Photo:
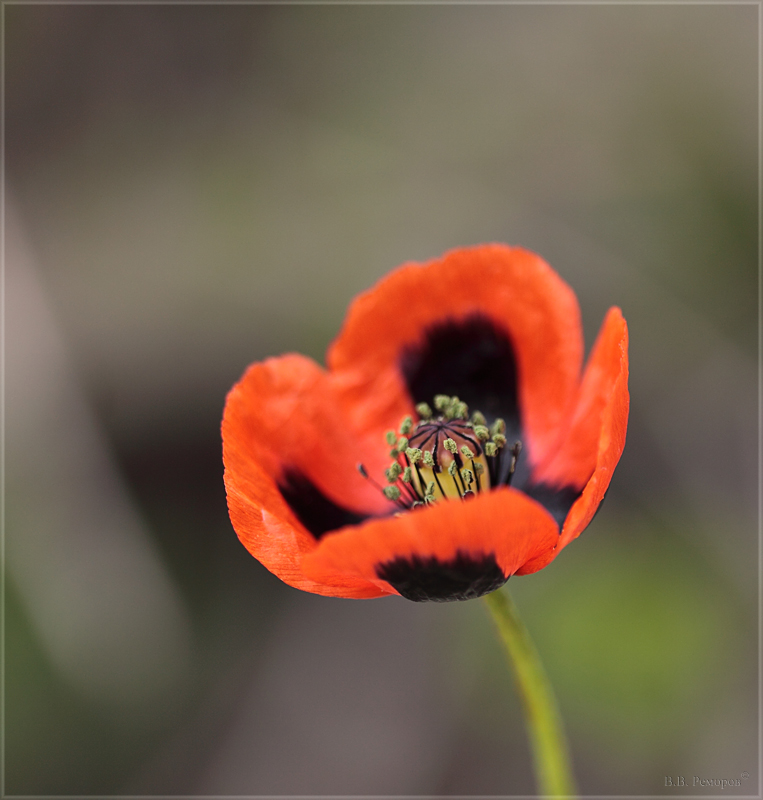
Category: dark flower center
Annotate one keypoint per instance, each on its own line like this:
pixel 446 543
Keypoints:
pixel 445 456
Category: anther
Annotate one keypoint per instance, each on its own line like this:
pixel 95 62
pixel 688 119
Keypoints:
pixel 391 438
pixel 407 475
pixel 490 449
pixel 499 426
pixel 428 459
pixel 454 408
pixel 460 410
pixel 515 451
pixel 450 446
pixel 478 418
pixel 391 492
pixel 481 432
pixel 402 444
pixel 394 472
pixel 441 402
pixel 424 411
pixel 466 451
pixel 414 454
pixel 406 426
pixel 499 439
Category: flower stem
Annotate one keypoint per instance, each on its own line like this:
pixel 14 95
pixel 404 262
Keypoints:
pixel 544 724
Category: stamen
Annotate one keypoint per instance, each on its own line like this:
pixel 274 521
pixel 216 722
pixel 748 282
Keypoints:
pixel 515 451
pixel 439 486
pixel 406 426
pixel 394 472
pixel 364 473
pixel 424 411
pixel 481 432
pixel 460 410
pixel 499 426
pixel 441 402
pixel 414 455
pixel 453 472
pixel 391 438
pixel 478 468
pixel 392 492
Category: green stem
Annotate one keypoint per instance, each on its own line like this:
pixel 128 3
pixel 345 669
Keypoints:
pixel 544 724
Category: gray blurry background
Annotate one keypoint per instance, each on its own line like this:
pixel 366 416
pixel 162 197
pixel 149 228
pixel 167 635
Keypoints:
pixel 192 188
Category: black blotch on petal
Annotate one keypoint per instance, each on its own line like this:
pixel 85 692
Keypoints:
pixel 463 577
pixel 472 358
pixel 557 501
pixel 311 507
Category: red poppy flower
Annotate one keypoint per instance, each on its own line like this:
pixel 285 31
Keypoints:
pixel 502 457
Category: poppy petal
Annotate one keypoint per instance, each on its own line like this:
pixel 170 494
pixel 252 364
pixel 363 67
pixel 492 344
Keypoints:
pixel 597 434
pixel 276 433
pixel 286 415
pixel 450 550
pixel 461 312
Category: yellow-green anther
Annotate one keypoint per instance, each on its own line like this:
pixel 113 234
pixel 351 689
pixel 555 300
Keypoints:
pixel 452 469
pixel 450 446
pixel 402 444
pixel 394 452
pixel 468 476
pixel 407 475
pixel 428 459
pixel 460 410
pixel 490 449
pixel 393 473
pixel 406 426
pixel 466 451
pixel 478 418
pixel 479 468
pixel 499 439
pixel 499 426
pixel 391 437
pixel 391 492
pixel 424 411
pixel 414 455
pixel 481 432
pixel 451 410
pixel 441 401
pixel 430 490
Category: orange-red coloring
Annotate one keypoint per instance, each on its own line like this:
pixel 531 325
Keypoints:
pixel 481 349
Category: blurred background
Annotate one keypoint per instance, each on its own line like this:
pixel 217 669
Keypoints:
pixel 193 188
